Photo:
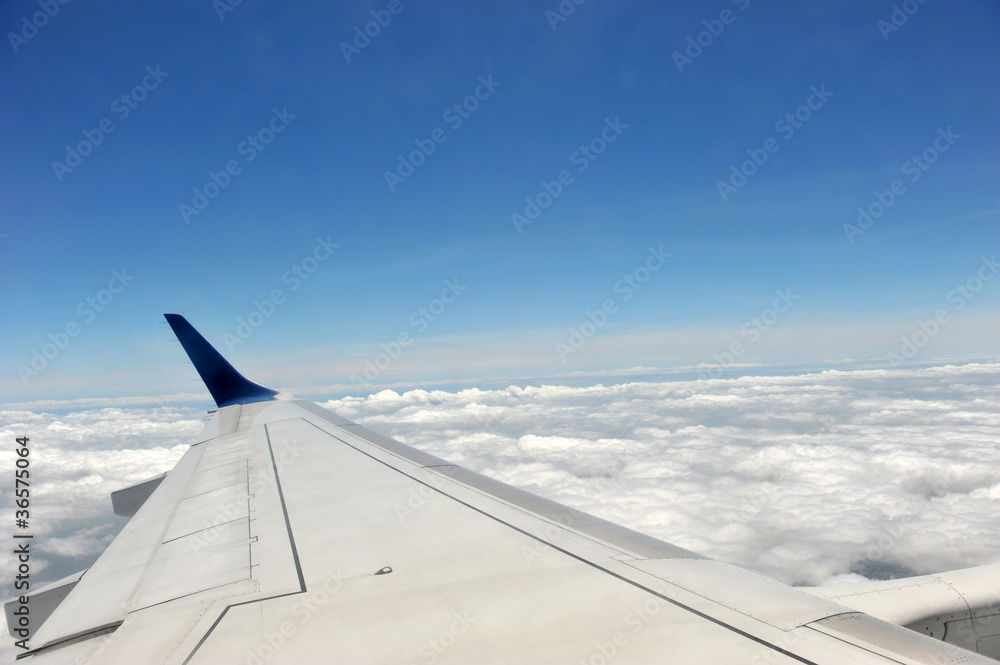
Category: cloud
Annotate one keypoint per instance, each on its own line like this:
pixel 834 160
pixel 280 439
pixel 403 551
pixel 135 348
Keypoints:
pixel 93 402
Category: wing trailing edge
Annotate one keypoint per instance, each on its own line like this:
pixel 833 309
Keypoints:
pixel 227 386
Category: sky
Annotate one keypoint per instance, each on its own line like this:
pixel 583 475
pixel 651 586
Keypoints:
pixel 478 194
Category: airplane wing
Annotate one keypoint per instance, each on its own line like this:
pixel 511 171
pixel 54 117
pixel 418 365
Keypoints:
pixel 288 534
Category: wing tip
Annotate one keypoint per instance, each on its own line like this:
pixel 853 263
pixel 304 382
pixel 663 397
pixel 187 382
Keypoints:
pixel 227 386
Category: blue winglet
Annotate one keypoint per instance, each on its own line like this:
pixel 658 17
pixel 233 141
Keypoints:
pixel 222 380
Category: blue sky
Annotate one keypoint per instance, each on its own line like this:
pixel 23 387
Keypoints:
pixel 212 83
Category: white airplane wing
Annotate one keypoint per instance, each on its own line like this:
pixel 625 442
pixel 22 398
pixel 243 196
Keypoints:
pixel 287 534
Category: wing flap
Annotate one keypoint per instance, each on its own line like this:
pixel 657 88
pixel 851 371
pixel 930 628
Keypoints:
pixel 894 642
pixel 41 603
pixel 960 607
pixel 127 501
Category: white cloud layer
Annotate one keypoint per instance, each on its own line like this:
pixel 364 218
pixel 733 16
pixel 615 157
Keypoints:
pixel 809 479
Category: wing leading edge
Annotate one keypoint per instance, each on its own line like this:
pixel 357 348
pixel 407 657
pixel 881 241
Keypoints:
pixel 287 533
